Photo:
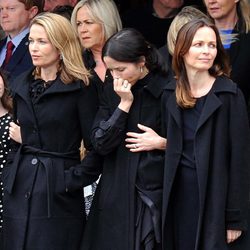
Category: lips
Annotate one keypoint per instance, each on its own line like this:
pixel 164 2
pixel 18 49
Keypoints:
pixel 34 57
pixel 213 9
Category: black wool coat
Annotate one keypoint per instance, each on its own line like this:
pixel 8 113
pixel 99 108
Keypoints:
pixel 221 149
pixel 111 222
pixel 239 55
pixel 43 198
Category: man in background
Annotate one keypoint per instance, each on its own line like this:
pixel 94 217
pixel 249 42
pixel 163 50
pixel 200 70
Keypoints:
pixel 50 5
pixel 15 17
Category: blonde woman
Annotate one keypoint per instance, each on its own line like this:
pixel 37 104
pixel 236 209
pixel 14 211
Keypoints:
pixel 232 18
pixel 54 105
pixel 94 22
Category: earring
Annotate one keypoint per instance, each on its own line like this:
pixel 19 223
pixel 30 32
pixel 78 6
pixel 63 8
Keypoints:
pixel 141 69
pixel 61 57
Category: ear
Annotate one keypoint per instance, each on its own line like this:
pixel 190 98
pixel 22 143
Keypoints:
pixel 73 2
pixel 33 12
pixel 142 61
pixel 236 1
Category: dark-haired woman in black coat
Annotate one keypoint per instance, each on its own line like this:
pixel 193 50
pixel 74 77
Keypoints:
pixel 126 212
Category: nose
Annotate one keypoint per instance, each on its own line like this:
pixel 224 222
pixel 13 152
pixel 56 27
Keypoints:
pixel 115 75
pixel 82 28
pixel 205 49
pixel 33 46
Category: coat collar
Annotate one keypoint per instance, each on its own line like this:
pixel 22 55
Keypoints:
pixel 21 86
pixel 156 84
pixel 213 102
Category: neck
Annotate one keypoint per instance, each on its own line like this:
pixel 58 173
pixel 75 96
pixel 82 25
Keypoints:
pixel 163 11
pixel 200 83
pixel 97 53
pixel 48 74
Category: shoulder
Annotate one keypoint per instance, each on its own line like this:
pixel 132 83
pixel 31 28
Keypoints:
pixel 224 84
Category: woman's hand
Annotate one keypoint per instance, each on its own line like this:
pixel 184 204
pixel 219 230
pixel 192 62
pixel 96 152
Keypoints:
pixel 123 89
pixel 15 132
pixel 146 141
pixel 233 235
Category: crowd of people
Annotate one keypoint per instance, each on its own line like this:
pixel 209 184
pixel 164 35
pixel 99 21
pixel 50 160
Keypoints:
pixel 124 129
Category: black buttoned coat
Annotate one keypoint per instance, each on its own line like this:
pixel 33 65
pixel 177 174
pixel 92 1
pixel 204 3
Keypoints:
pixel 43 206
pixel 221 149
pixel 111 222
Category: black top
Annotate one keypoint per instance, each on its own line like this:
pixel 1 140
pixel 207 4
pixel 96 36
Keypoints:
pixel 4 149
pixel 90 64
pixel 190 119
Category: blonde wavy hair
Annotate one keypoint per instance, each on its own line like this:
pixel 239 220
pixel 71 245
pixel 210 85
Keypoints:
pixel 61 35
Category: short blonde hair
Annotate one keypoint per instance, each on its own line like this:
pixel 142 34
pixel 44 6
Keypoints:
pixel 61 35
pixel 104 12
pixel 187 14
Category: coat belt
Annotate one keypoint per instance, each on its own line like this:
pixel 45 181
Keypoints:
pixel 45 160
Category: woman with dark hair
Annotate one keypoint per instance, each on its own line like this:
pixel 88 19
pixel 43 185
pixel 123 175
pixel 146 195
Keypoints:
pixel 206 177
pixel 126 210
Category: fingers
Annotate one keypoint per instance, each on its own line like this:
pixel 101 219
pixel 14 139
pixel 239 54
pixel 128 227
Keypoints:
pixel 232 235
pixel 134 147
pixel 121 84
pixel 143 128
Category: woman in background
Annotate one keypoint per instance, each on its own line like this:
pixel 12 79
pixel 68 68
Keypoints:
pixel 232 18
pixel 94 22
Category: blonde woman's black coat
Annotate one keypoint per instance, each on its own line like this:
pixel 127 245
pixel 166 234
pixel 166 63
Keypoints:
pixel 43 199
pixel 221 149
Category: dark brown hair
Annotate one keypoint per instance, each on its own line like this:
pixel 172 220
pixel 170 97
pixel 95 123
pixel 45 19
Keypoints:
pixel 183 43
pixel 6 100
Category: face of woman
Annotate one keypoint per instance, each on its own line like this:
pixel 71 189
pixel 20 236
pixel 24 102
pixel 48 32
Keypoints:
pixel 90 33
pixel 203 50
pixel 220 9
pixel 42 52
pixel 125 70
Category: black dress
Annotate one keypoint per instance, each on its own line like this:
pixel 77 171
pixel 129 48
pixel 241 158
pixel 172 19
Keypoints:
pixel 4 149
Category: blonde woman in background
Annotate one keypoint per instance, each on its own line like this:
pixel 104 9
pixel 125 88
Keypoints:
pixel 232 18
pixel 94 22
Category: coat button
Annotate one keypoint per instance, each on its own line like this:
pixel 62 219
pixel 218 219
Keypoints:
pixel 27 195
pixel 34 161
